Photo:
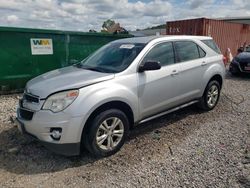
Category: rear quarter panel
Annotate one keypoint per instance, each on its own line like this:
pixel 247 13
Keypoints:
pixel 215 67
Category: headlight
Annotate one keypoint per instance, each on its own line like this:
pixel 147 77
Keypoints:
pixel 60 101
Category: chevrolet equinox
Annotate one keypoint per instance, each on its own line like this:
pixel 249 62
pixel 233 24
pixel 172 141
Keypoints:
pixel 95 102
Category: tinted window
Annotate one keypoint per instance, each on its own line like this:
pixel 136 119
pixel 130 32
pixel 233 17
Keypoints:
pixel 210 43
pixel 201 52
pixel 163 53
pixel 186 51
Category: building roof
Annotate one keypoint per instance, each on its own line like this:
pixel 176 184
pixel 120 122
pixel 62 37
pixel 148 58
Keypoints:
pixel 149 32
pixel 242 20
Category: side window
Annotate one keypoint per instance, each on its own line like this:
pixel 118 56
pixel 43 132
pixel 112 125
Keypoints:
pixel 201 52
pixel 186 50
pixel 211 44
pixel 163 53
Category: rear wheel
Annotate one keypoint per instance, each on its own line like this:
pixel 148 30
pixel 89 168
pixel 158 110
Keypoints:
pixel 211 96
pixel 106 133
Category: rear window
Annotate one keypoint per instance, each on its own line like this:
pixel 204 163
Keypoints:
pixel 210 43
pixel 201 52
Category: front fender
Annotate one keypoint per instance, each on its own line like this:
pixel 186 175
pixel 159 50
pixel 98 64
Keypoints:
pixel 92 97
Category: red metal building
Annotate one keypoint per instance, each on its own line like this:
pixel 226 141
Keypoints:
pixel 225 34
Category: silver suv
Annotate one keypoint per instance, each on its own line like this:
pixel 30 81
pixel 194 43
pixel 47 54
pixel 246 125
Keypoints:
pixel 127 82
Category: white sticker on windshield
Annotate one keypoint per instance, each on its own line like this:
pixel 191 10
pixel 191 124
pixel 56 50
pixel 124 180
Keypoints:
pixel 127 46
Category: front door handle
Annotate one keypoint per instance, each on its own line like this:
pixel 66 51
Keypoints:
pixel 204 63
pixel 174 72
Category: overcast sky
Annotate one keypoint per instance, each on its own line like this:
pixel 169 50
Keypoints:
pixel 83 15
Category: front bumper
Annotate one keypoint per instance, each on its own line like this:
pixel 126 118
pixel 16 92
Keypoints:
pixel 70 149
pixel 236 68
pixel 39 127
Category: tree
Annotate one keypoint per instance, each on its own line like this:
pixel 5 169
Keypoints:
pixel 107 24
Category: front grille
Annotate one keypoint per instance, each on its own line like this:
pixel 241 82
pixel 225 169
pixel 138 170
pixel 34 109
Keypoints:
pixel 25 114
pixel 30 98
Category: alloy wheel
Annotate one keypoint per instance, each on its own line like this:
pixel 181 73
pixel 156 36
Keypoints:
pixel 212 96
pixel 110 133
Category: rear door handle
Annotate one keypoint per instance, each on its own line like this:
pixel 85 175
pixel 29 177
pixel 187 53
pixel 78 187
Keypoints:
pixel 204 63
pixel 174 72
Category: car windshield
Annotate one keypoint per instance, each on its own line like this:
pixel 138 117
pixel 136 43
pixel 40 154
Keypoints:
pixel 248 49
pixel 112 58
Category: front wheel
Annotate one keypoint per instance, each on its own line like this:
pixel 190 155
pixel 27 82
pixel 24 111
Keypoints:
pixel 106 133
pixel 211 96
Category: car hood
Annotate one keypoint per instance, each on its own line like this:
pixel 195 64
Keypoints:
pixel 243 57
pixel 64 79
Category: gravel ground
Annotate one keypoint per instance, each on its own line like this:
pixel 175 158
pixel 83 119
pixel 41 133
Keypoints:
pixel 187 148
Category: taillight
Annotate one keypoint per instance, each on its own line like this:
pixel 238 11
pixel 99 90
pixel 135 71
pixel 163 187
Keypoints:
pixel 224 60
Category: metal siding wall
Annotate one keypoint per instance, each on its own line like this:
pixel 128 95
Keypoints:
pixel 226 35
pixel 185 27
pixel 229 35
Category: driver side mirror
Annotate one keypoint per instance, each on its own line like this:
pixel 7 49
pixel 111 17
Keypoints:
pixel 149 65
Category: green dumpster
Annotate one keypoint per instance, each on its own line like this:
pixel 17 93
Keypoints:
pixel 26 53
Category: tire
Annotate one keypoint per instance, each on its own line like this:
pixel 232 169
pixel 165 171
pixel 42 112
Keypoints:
pixel 111 138
pixel 208 100
pixel 234 71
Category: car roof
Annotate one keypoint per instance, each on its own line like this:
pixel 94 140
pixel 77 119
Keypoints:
pixel 151 38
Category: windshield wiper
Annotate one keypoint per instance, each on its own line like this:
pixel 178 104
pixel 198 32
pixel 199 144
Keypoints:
pixel 97 69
